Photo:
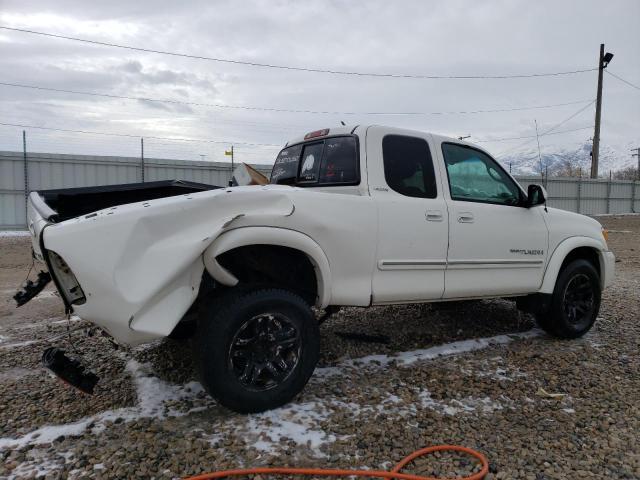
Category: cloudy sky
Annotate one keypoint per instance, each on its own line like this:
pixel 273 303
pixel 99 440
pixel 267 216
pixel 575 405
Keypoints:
pixel 442 38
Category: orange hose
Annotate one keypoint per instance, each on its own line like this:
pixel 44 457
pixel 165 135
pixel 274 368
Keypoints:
pixel 330 472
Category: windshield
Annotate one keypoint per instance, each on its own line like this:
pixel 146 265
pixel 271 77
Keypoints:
pixel 332 161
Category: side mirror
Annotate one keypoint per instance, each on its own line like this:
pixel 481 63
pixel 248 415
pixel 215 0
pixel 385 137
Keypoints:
pixel 536 195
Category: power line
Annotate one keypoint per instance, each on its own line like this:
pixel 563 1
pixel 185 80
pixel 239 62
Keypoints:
pixel 534 136
pixel 547 132
pixel 299 69
pixel 229 142
pixel 622 80
pixel 242 107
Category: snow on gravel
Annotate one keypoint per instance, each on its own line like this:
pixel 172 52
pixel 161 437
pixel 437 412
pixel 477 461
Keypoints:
pixel 153 395
pixel 18 344
pixel 298 422
pixel 408 358
pixel 14 233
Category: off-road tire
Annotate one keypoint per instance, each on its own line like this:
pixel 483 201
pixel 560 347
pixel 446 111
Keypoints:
pixel 577 278
pixel 220 330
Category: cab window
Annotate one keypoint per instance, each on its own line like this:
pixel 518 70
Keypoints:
pixel 332 161
pixel 476 177
pixel 408 168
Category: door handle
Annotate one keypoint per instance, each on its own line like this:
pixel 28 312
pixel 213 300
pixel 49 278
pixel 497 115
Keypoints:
pixel 465 217
pixel 434 216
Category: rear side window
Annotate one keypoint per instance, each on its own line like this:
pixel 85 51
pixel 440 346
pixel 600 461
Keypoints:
pixel 285 169
pixel 340 161
pixel 333 161
pixel 408 168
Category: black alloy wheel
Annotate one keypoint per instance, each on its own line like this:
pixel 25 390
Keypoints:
pixel 265 351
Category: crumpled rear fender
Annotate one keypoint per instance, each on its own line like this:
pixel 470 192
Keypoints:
pixel 140 264
pixel 241 237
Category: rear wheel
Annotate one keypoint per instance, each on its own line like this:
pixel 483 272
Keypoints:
pixel 257 348
pixel 575 302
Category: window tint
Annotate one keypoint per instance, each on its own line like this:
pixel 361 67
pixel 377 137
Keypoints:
pixel 408 168
pixel 476 177
pixel 339 163
pixel 333 161
pixel 285 169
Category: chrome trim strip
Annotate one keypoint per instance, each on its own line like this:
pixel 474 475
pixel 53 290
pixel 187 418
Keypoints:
pixel 389 263
pixel 496 262
pixel 455 263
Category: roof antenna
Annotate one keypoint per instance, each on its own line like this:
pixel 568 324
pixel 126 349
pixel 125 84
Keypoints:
pixel 462 137
pixel 342 122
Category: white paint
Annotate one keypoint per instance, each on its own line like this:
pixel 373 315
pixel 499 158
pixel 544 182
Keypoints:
pixel 148 270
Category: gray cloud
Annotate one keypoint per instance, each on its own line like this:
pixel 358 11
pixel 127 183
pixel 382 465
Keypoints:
pixel 446 37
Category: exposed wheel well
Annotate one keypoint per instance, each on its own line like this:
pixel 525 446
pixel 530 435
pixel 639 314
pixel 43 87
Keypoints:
pixel 273 265
pixel 582 253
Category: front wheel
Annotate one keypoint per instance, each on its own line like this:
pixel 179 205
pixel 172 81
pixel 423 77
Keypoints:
pixel 257 349
pixel 575 302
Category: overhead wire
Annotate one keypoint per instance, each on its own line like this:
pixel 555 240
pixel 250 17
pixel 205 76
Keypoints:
pixel 622 79
pixel 533 136
pixel 177 139
pixel 547 132
pixel 286 110
pixel 295 68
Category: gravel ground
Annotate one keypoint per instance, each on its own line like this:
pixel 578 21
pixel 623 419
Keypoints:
pixel 471 373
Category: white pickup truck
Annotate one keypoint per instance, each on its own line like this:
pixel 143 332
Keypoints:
pixel 357 216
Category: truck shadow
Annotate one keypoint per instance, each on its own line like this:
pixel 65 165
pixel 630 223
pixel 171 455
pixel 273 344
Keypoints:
pixel 358 332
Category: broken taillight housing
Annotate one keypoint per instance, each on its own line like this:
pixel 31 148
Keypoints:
pixel 66 280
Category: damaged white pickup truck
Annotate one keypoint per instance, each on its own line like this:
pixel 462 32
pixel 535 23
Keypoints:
pixel 353 216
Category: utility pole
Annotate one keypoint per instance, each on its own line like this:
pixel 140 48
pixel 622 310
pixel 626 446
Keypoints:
pixel 230 152
pixel 142 157
pixel 539 155
pixel 637 154
pixel 26 177
pixel 603 61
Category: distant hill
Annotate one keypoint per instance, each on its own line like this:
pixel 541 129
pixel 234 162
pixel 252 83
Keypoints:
pixel 562 160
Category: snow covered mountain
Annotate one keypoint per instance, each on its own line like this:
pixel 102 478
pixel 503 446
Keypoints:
pixel 565 160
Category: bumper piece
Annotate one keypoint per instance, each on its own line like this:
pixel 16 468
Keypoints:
pixel 30 289
pixel 69 370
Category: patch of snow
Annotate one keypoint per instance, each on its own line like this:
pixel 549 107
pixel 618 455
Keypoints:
pixel 3 338
pixel 17 373
pixel 38 465
pixel 458 406
pixel 445 350
pixel 297 422
pixel 14 233
pixel 153 395
pixel 46 434
pixel 568 410
pixel 18 344
pixel 47 294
